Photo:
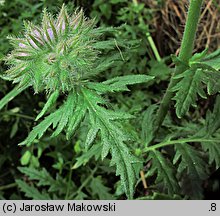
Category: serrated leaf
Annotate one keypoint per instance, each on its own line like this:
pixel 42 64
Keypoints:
pixel 61 185
pixel 113 140
pixel 191 162
pixel 98 188
pixel 42 176
pixel 211 78
pixel 50 102
pixel 120 83
pixel 40 129
pixel 213 150
pixel 60 118
pixel 66 115
pixel 147 126
pixel 91 136
pixel 212 123
pixel 94 151
pixel 187 89
pixel 105 63
pixel 31 191
pixel 212 59
pixel 165 172
pixel 192 83
pixel 159 70
pixel 198 56
pixel 99 87
pixel 77 117
pixel 80 196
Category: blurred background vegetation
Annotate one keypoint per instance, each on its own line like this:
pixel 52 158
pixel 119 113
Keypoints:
pixel 157 25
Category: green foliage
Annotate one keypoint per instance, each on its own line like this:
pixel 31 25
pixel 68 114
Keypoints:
pixel 191 162
pixel 43 178
pixel 89 128
pixel 191 82
pixel 210 130
pixel 112 139
pixel 50 102
pixel 165 172
pixel 80 99
pixel 32 192
pixel 94 151
pixel 147 127
pixel 99 189
pixel 187 90
pixel 71 114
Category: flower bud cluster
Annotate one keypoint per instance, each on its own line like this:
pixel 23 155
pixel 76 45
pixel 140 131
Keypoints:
pixel 54 56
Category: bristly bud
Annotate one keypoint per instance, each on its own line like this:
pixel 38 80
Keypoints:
pixel 57 55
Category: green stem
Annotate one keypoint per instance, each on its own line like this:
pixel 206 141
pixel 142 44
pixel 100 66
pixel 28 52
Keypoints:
pixel 173 142
pixel 87 180
pixel 69 183
pixel 153 47
pixel 185 54
pixel 17 115
pixel 5 187
pixel 149 38
pixel 189 35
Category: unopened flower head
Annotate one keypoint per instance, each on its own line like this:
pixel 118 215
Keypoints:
pixel 56 55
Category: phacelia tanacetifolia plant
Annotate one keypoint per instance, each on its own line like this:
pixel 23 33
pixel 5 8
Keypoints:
pixel 55 56
pixel 64 56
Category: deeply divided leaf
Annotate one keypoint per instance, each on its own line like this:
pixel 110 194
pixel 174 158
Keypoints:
pixel 165 172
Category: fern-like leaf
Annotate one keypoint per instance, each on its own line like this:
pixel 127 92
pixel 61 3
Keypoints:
pixel 147 125
pixel 187 89
pixel 202 72
pixel 113 140
pixel 98 188
pixel 59 118
pixel 119 83
pixel 31 191
pixel 191 162
pixel 212 124
pixel 50 102
pixel 213 150
pixel 164 170
pixel 43 177
pixel 41 128
pixel 212 59
pixel 94 151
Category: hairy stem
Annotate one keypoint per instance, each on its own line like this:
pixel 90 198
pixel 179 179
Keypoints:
pixel 185 54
